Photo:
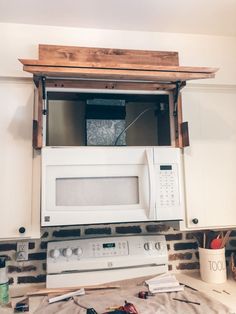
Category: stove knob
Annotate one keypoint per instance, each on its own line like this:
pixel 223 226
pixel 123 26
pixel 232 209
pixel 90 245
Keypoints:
pixel 147 246
pixel 158 246
pixel 67 252
pixel 78 252
pixel 54 253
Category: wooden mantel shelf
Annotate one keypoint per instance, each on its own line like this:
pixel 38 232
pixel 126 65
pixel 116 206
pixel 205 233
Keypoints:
pixel 112 64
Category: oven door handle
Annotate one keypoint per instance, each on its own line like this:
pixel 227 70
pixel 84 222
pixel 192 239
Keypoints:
pixel 151 180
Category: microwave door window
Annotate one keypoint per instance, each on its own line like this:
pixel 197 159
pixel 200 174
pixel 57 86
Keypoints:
pixel 97 191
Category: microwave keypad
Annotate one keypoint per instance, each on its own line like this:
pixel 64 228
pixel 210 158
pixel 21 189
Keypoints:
pixel 110 249
pixel 168 186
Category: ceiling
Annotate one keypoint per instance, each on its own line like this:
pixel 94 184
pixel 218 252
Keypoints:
pixel 215 17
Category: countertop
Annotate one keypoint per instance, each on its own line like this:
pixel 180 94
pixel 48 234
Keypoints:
pixel 216 291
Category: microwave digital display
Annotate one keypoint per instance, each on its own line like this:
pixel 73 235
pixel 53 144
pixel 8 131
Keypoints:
pixel 108 245
pixel 166 167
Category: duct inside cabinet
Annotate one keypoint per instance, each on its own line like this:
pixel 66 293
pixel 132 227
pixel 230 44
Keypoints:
pixel 105 122
pixel 88 118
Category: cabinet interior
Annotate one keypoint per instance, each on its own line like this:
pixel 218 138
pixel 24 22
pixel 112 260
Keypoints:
pixel 67 113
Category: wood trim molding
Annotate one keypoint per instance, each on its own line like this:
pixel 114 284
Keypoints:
pixel 112 64
pixel 115 74
pixel 111 84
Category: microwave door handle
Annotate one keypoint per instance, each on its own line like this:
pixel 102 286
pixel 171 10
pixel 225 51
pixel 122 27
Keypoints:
pixel 151 179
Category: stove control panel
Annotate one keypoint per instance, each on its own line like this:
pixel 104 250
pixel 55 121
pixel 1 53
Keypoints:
pixel 106 253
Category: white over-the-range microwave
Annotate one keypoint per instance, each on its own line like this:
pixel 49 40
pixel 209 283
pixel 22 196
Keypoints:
pixel 90 185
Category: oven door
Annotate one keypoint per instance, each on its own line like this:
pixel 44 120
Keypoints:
pixel 97 185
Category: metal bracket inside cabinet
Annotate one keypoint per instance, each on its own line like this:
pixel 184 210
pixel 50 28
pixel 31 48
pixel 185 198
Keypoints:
pixel 178 86
pixel 176 97
pixel 44 109
pixel 43 79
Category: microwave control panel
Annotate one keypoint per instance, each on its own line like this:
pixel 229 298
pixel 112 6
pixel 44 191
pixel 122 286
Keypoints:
pixel 168 185
pixel 105 253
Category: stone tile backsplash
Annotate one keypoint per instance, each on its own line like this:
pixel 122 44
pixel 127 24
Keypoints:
pixel 182 248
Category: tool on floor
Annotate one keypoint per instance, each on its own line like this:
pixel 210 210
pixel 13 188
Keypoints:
pixel 22 306
pixel 66 296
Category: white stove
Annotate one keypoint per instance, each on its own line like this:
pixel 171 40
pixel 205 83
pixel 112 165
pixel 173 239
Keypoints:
pixel 100 260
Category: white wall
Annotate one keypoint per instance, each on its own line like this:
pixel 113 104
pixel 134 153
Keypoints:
pixel 21 41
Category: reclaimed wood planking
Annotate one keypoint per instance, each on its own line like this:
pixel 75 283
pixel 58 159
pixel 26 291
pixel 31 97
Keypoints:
pixel 107 55
pixel 97 65
pixel 158 76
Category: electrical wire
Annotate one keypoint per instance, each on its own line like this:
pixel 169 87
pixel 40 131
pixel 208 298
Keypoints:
pixel 131 123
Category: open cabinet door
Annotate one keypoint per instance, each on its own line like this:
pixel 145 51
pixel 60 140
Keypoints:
pixel 210 161
pixel 17 219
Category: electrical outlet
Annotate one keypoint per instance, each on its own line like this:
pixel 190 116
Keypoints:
pixel 22 251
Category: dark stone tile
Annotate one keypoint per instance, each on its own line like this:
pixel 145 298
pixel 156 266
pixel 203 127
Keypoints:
pixel 185 266
pixel 196 236
pixel 180 256
pixel 67 233
pixel 229 252
pixel 7 247
pixel 185 246
pixel 31 279
pixel 157 228
pixel 191 235
pixel 97 231
pixel 128 229
pixel 232 242
pixel 43 245
pixel 28 268
pixel 172 237
pixel 12 269
pixel 7 258
pixel 233 233
pixel 21 269
pixel 31 245
pixel 37 256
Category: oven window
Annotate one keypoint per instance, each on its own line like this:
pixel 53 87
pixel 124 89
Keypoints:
pixel 99 191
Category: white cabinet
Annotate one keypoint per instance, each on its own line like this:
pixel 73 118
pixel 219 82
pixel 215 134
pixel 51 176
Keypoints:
pixel 16 210
pixel 210 161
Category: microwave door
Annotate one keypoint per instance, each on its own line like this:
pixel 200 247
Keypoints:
pixel 96 194
pixel 97 191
